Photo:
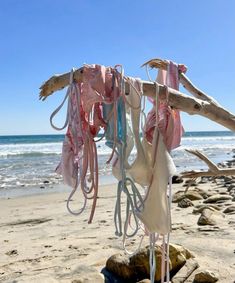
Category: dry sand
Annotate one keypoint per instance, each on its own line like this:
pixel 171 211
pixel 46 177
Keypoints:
pixel 41 242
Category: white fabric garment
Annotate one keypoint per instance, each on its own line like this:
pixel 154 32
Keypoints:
pixel 139 170
pixel 156 213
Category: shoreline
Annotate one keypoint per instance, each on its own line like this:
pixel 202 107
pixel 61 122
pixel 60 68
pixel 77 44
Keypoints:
pixel 48 188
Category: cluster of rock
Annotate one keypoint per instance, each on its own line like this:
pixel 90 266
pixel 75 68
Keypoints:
pixel 136 267
pixel 120 268
pixel 213 204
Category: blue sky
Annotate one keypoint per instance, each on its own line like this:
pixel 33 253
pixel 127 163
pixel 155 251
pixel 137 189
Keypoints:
pixel 41 38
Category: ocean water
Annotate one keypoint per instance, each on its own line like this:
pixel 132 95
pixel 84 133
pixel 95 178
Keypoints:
pixel 30 161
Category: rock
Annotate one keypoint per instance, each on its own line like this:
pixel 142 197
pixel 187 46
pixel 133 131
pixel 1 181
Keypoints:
pixel 141 263
pixel 119 264
pixel 229 209
pixel 210 217
pixel 46 182
pixel 185 271
pixel 177 179
pixel 185 202
pixel 230 187
pixel 203 193
pixel 227 179
pixel 208 229
pixel 199 208
pixel 12 252
pixel 205 276
pixel 217 198
pixel 191 195
pixel 206 217
pixel 178 256
pixel 137 266
pixel 189 183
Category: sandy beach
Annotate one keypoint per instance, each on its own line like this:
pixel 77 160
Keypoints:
pixel 42 242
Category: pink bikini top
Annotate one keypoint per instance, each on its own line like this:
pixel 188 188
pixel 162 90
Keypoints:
pixel 85 120
pixel 168 120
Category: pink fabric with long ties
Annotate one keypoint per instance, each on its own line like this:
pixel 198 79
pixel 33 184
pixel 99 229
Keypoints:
pixel 169 122
pixel 79 162
pixel 72 145
pixel 93 86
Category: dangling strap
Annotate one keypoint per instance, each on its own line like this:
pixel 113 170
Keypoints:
pixel 168 235
pixel 61 105
pixel 152 257
pixel 163 264
pixel 168 259
pixel 135 201
pixel 71 195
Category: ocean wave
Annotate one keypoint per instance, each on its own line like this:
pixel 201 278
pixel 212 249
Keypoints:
pixel 27 154
pixel 211 138
pixel 54 149
pixel 32 149
pixel 206 147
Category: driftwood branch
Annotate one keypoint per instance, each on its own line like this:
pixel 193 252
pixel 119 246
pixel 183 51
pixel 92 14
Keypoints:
pixel 213 170
pixel 202 104
pixel 58 82
pixel 184 80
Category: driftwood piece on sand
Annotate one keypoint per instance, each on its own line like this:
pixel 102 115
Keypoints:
pixel 213 170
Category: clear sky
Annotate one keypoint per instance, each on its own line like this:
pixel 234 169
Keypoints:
pixel 41 38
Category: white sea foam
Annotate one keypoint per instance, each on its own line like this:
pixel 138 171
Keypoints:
pixel 37 149
pixel 30 164
pixel 30 148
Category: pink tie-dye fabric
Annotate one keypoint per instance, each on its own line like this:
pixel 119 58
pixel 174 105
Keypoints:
pixel 168 120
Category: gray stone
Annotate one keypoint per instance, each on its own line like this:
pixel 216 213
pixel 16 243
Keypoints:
pixel 205 276
pixel 203 193
pixel 231 187
pixel 185 202
pixel 210 217
pixel 12 253
pixel 119 264
pixel 201 207
pixel 191 195
pixel 206 217
pixel 228 179
pixel 209 229
pixel 185 271
pixel 177 179
pixel 230 209
pixel 217 198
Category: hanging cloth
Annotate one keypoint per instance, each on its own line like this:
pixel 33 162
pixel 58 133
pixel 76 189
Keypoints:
pixel 168 120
